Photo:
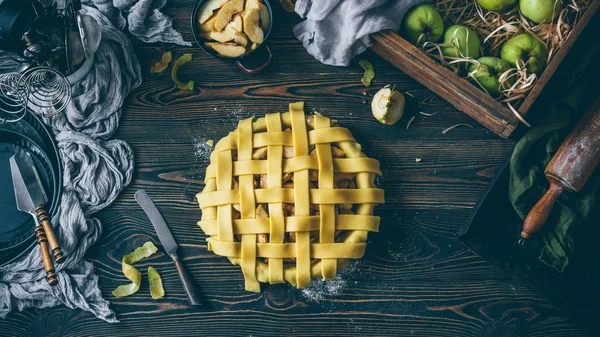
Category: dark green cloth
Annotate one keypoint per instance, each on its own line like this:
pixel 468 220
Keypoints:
pixel 534 151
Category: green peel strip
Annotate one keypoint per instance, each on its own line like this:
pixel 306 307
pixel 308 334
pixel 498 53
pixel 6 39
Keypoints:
pixel 369 72
pixel 287 5
pixel 183 59
pixel 156 286
pixel 130 272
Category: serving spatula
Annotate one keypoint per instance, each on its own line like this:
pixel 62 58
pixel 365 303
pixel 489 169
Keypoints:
pixel 31 198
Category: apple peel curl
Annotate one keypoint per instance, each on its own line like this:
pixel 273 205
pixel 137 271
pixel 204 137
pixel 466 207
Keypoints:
pixel 369 72
pixel 134 275
pixel 183 59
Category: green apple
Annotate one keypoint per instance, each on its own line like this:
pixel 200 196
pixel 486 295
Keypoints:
pixel 540 10
pixel 488 73
pixel 424 22
pixel 464 40
pixel 525 50
pixel 499 6
pixel 388 106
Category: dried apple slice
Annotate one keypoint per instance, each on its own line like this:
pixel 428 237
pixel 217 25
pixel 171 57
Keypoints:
pixel 236 23
pixel 251 28
pixel 265 18
pixel 226 35
pixel 252 4
pixel 241 39
pixel 226 13
pixel 208 8
pixel 208 25
pixel 226 49
pixel 263 13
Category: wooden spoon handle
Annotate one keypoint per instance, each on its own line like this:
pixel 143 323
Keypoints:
pixel 540 212
pixel 41 239
pixel 44 219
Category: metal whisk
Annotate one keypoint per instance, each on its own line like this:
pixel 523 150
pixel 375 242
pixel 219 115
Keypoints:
pixel 48 90
pixel 13 97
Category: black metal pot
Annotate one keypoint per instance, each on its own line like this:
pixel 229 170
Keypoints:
pixel 251 63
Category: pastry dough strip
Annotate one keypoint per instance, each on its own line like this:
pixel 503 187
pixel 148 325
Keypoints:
pixel 327 212
pixel 342 250
pixel 224 183
pixel 296 224
pixel 340 165
pixel 286 195
pixel 335 135
pixel 276 217
pixel 247 206
pixel 301 195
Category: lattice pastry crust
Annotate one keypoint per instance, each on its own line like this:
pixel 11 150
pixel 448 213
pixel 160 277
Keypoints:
pixel 289 197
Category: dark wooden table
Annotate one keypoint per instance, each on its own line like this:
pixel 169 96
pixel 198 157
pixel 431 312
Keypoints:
pixel 416 278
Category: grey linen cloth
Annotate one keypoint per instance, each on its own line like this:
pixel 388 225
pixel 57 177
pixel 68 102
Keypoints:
pixel 337 30
pixel 96 168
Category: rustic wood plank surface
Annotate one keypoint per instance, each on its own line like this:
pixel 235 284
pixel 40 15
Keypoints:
pixel 416 279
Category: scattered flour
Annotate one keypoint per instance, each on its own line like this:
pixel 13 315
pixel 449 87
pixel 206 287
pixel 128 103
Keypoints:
pixel 201 149
pixel 319 289
pixel 203 145
pixel 321 111
pixel 234 114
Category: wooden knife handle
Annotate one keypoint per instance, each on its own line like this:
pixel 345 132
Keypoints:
pixel 186 281
pixel 46 259
pixel 44 219
pixel 540 212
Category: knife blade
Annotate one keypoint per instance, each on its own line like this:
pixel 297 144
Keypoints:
pixel 168 242
pixel 160 226
pixel 29 192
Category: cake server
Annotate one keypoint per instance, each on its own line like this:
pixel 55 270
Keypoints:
pixel 31 197
pixel 168 242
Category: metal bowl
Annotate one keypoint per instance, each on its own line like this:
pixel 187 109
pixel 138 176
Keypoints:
pixel 254 61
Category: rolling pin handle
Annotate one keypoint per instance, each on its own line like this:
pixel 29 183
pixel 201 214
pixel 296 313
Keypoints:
pixel 540 212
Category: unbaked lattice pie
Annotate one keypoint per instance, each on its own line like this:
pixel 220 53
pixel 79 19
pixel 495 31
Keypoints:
pixel 289 197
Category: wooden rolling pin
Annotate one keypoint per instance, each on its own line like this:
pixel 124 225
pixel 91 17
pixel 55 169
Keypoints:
pixel 569 169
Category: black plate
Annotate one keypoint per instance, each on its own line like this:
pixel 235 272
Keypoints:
pixel 16 229
pixel 17 226
pixel 492 231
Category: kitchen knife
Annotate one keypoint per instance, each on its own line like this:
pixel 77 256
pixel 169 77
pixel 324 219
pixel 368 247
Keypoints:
pixel 25 203
pixel 168 242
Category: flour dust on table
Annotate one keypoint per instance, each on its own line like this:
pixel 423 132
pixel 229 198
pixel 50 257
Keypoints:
pixel 323 289
pixel 202 149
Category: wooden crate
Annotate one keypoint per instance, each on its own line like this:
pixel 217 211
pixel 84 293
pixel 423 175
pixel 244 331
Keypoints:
pixel 458 91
